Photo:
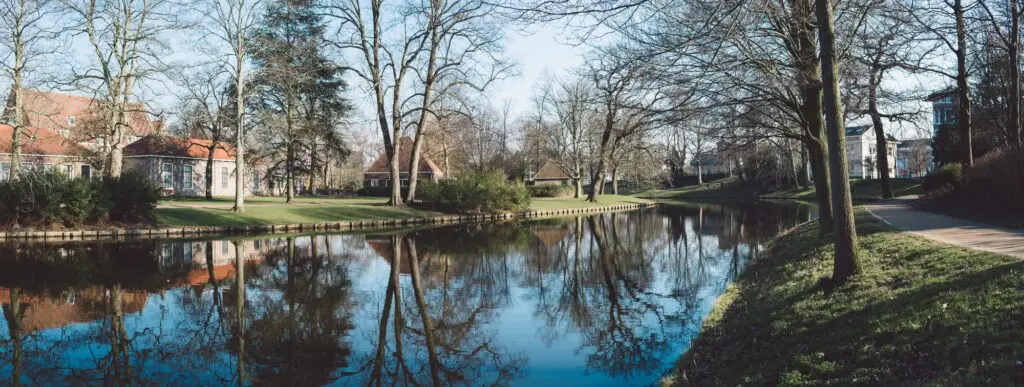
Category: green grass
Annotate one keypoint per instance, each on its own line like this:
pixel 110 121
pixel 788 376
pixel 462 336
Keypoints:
pixel 919 313
pixel 543 204
pixel 731 188
pixel 266 211
pixel 273 210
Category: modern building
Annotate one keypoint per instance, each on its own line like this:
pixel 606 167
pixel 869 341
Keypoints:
pixel 378 175
pixel 862 153
pixel 945 104
pixel 179 166
pixel 914 158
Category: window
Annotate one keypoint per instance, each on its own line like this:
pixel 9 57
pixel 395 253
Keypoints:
pixel 225 176
pixel 187 253
pixel 374 182
pixel 68 169
pixel 224 247
pixel 257 244
pixel 186 176
pixel 255 181
pixel 86 171
pixel 404 182
pixel 168 254
pixel 167 176
pixel 72 120
pixel 5 171
pixel 49 167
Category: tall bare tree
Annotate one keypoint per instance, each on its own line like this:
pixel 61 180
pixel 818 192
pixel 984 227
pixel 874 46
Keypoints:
pixel 26 34
pixel 846 262
pixel 126 40
pixel 1006 26
pixel 230 24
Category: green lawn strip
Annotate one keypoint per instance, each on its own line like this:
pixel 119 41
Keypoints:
pixel 319 210
pixel 920 313
pixel 546 204
pixel 732 188
pixel 283 214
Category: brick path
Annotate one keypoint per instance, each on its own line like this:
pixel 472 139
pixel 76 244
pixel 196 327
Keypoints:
pixel 946 229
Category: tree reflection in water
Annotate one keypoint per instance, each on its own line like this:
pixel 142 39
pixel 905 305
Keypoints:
pixel 607 299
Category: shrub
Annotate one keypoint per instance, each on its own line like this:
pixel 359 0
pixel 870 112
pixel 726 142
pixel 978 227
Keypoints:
pixel 475 193
pixel 550 191
pixel 47 199
pixel 132 197
pixel 949 176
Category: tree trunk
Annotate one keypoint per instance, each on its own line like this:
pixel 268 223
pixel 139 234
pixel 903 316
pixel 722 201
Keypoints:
pixel 19 108
pixel 239 127
pixel 13 314
pixel 289 156
pixel 881 145
pixel 615 180
pixel 578 181
pixel 209 170
pixel 428 91
pixel 846 260
pixel 700 173
pixel 1014 53
pixel 803 179
pixel 963 119
pixel 809 80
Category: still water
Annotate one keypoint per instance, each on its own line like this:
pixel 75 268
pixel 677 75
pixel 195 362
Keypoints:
pixel 610 299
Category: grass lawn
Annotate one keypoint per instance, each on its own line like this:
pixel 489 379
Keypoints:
pixel 273 210
pixel 731 188
pixel 920 313
pixel 541 204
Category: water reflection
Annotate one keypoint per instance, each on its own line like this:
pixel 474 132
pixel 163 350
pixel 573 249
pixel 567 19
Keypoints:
pixel 610 299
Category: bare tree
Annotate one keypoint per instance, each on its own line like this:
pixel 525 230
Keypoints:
pixel 388 53
pixel 230 24
pixel 464 41
pixel 567 115
pixel 207 113
pixel 25 35
pixel 127 47
pixel 933 18
pixel 846 260
pixel 1006 26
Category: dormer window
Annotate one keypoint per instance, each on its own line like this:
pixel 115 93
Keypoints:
pixel 71 120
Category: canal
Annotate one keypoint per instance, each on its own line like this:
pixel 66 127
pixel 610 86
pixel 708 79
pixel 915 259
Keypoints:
pixel 611 299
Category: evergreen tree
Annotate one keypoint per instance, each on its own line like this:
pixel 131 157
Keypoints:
pixel 298 90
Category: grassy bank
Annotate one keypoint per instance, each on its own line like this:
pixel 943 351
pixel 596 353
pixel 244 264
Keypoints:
pixel 274 210
pixel 919 313
pixel 861 190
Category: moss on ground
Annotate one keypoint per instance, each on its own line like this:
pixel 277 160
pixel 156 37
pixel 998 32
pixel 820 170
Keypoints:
pixel 919 313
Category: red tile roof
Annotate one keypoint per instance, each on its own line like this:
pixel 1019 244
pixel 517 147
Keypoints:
pixel 52 110
pixel 404 159
pixel 178 147
pixel 36 141
pixel 551 171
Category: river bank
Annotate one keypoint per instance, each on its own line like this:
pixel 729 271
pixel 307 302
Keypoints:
pixel 920 312
pixel 188 218
pixel 734 189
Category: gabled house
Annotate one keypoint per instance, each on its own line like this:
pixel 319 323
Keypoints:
pixel 74 117
pixel 551 174
pixel 43 149
pixel 179 166
pixel 378 175
pixel 862 153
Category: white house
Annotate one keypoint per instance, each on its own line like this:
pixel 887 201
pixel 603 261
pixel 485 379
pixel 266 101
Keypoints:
pixel 862 154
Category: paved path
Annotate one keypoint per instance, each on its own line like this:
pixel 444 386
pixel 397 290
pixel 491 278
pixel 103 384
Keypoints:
pixel 946 229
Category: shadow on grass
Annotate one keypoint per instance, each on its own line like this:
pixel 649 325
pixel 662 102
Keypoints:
pixel 918 313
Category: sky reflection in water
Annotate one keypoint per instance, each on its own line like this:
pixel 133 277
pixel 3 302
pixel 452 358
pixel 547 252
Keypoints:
pixel 611 299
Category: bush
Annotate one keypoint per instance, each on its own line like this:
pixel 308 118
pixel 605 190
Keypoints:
pixel 551 191
pixel 132 197
pixel 949 176
pixel 48 199
pixel 476 193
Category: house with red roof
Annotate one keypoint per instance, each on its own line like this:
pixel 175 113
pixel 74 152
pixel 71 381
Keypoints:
pixel 43 149
pixel 178 164
pixel 378 175
pixel 75 117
